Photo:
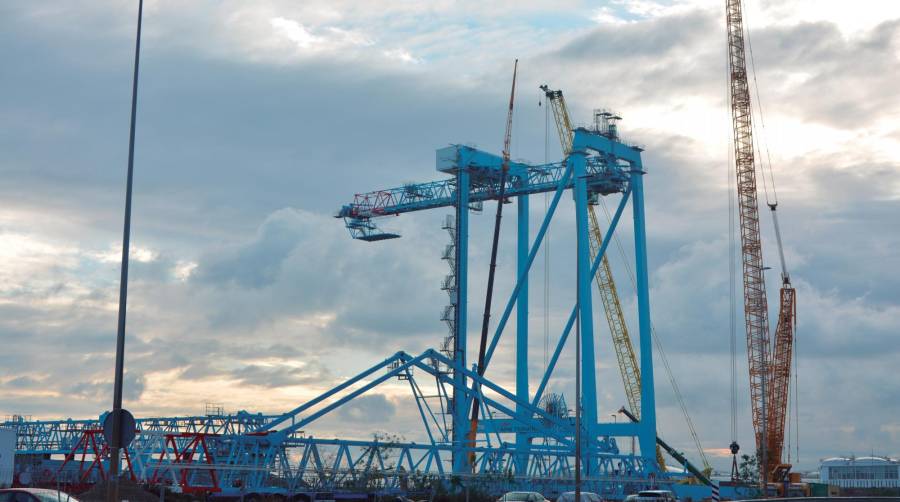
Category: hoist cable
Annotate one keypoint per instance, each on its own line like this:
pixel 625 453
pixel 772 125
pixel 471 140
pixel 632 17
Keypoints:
pixel 659 347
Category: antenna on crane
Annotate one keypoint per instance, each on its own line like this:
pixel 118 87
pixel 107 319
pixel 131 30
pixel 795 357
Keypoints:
pixel 485 323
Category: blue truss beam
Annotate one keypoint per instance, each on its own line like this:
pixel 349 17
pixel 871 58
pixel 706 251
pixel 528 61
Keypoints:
pixel 604 178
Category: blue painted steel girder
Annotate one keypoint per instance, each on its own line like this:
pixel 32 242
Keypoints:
pixel 60 436
pixel 604 175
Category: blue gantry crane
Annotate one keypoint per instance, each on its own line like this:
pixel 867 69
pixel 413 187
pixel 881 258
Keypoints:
pixel 525 439
pixel 599 165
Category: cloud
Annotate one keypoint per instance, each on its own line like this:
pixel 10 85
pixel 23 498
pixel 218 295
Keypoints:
pixel 402 55
pixel 280 375
pixel 101 390
pixel 258 263
pixel 368 409
pixel 295 32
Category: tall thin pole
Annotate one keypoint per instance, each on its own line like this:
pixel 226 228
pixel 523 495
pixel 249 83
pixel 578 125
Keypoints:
pixel 115 446
pixel 578 388
pixel 488 297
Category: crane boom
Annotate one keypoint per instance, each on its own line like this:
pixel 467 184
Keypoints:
pixel 780 375
pixel 482 349
pixel 768 379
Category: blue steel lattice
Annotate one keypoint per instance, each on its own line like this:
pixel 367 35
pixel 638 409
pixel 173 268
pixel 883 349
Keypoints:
pixel 520 444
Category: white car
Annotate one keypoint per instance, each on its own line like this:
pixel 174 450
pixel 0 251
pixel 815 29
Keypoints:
pixel 585 497
pixel 522 497
pixel 34 495
pixel 656 496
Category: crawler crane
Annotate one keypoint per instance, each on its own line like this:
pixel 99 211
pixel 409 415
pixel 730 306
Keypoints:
pixel 770 370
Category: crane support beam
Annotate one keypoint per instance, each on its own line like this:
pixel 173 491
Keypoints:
pixel 588 404
pixel 522 320
pixel 460 342
pixel 484 171
pixel 551 365
pixel 606 286
pixel 647 436
pixel 780 378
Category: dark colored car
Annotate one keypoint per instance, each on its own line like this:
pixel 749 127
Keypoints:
pixel 35 495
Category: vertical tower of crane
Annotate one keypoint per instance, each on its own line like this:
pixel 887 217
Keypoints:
pixel 756 314
pixel 606 286
pixel 768 379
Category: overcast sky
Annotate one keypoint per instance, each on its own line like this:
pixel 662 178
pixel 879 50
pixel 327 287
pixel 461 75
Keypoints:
pixel 257 120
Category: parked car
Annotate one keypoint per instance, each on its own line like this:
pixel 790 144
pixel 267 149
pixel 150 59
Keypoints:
pixel 656 496
pixel 35 495
pixel 630 498
pixel 585 497
pixel 522 497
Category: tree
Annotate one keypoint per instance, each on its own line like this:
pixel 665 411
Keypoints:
pixel 748 470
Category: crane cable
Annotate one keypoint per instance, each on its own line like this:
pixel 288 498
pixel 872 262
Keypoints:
pixel 762 122
pixel 546 240
pixel 659 347
pixel 732 269
pixel 796 393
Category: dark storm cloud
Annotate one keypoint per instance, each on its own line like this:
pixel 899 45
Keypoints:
pixel 312 126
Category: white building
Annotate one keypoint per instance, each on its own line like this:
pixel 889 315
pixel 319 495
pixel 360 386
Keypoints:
pixel 861 472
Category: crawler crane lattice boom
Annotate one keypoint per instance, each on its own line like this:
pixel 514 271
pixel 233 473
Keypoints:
pixel 769 371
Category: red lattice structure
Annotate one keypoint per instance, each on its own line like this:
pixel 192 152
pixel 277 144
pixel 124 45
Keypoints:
pixel 90 452
pixel 187 456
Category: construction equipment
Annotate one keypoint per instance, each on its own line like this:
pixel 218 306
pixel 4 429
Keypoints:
pixel 677 455
pixel 520 444
pixel 609 166
pixel 769 370
pixel 606 286
pixel 486 320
